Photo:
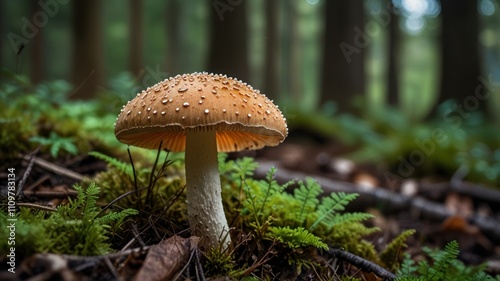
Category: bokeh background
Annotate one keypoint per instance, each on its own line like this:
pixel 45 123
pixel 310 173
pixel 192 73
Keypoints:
pixel 388 81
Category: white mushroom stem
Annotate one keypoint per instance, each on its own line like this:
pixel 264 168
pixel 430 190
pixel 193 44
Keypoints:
pixel 203 194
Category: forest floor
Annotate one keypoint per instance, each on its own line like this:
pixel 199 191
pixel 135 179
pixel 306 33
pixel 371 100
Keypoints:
pixel 441 210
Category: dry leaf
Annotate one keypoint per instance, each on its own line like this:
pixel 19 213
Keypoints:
pixel 165 259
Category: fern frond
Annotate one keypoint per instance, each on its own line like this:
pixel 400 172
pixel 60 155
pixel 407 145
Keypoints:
pixel 391 255
pixel 116 216
pixel 330 206
pixel 245 167
pixel 90 201
pixel 77 228
pixel 271 188
pixel 443 260
pixel 307 195
pixel 295 237
pixel 123 167
pixel 407 270
pixel 338 219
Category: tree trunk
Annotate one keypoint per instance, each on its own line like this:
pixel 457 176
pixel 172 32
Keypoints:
pixel 37 69
pixel 88 69
pixel 344 46
pixel 392 83
pixel 294 56
pixel 271 75
pixel 459 51
pixel 173 35
pixel 135 52
pixel 2 31
pixel 228 52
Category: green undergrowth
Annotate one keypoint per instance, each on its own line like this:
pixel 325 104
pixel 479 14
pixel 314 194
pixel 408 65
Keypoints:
pixel 45 116
pixel 412 148
pixel 78 227
pixel 291 225
pixel 441 265
pixel 279 230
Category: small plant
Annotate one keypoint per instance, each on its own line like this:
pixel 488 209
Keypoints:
pixel 292 227
pixel 445 266
pixel 55 143
pixel 76 228
pixel 125 168
pixel 393 252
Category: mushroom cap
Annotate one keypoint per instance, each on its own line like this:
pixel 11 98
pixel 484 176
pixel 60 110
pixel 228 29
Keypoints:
pixel 243 118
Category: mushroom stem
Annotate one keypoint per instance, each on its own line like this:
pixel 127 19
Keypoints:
pixel 203 194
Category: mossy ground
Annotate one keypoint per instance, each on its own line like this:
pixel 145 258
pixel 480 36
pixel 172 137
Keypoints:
pixel 276 234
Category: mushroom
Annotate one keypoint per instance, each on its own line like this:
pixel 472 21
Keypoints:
pixel 202 114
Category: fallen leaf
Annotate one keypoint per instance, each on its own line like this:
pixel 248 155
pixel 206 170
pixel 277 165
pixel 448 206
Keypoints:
pixel 165 259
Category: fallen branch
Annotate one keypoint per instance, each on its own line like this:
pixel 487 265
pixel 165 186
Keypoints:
pixel 362 264
pixel 53 168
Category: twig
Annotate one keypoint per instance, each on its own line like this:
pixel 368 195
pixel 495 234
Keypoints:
pixel 110 256
pixel 136 188
pixel 364 265
pixel 152 176
pixel 111 268
pixel 137 235
pixel 37 183
pixel 118 199
pixel 54 168
pixel 27 172
pixel 200 275
pixel 56 194
pixel 36 206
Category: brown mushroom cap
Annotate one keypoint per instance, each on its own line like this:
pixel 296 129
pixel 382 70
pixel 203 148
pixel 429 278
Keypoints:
pixel 242 117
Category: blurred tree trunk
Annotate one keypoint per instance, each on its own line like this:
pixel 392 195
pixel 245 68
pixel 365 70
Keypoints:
pixel 173 35
pixel 228 51
pixel 284 47
pixel 459 49
pixel 294 55
pixel 290 59
pixel 392 83
pixel 135 52
pixel 88 68
pixel 271 75
pixel 344 44
pixel 36 69
pixel 2 31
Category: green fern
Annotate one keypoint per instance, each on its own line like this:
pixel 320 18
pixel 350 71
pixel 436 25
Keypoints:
pixel 262 197
pixel 295 237
pixel 238 169
pixel 391 255
pixel 445 267
pixel 328 211
pixel 307 194
pixel 442 262
pixel 75 228
pixel 123 167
